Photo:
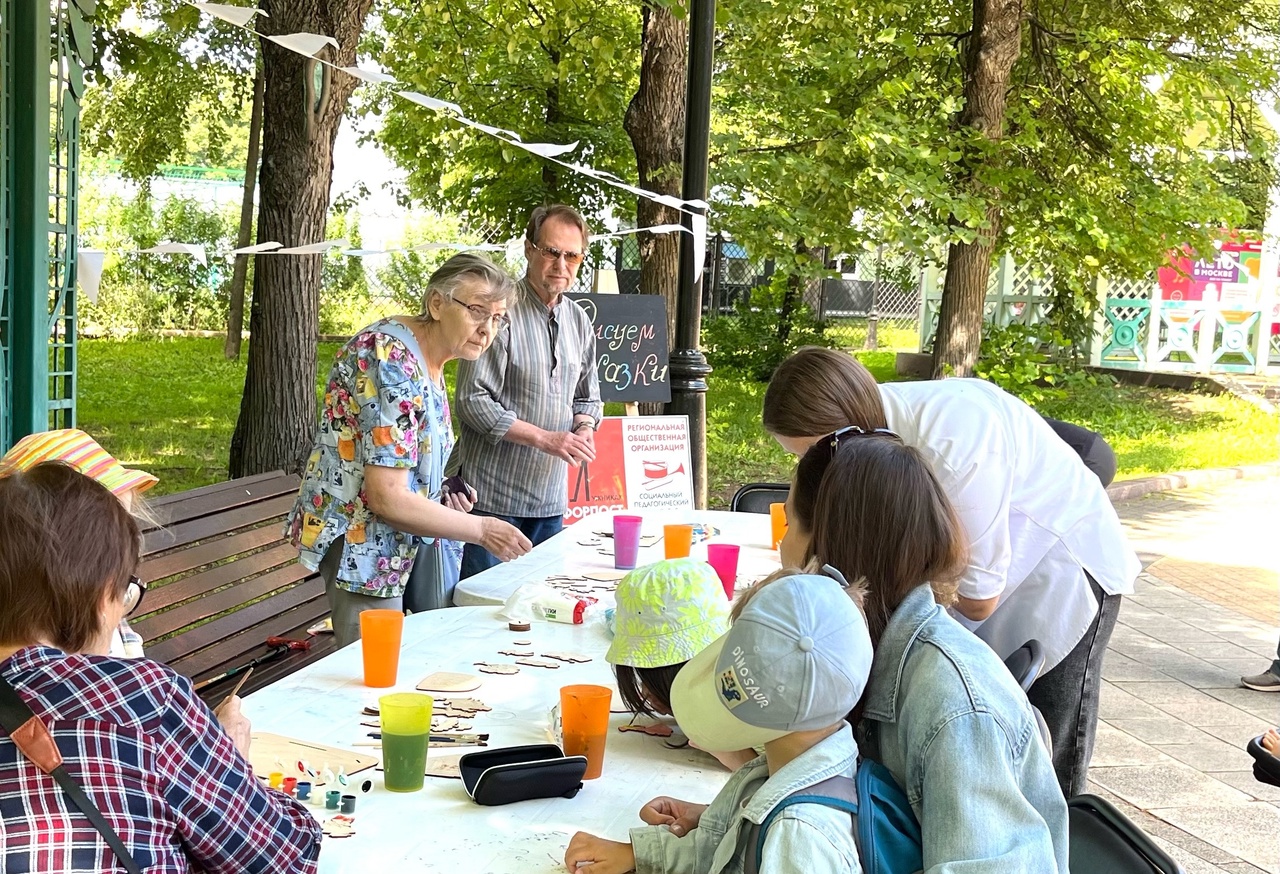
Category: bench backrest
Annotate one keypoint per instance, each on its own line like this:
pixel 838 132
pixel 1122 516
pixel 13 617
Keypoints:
pixel 221 580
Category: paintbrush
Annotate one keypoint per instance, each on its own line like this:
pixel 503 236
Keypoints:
pixel 239 685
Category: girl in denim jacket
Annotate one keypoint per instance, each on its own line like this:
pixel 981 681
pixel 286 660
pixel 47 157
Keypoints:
pixel 941 711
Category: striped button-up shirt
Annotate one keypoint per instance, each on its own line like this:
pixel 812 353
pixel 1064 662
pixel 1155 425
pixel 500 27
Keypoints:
pixel 541 370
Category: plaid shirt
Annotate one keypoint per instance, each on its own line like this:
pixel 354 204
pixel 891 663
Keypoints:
pixel 155 761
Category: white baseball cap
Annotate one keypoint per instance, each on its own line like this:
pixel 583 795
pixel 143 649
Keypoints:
pixel 796 659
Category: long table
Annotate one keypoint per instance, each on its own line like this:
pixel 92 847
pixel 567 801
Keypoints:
pixel 574 551
pixel 440 828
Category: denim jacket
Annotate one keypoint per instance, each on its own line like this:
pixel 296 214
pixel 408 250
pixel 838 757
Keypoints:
pixel 803 839
pixel 945 716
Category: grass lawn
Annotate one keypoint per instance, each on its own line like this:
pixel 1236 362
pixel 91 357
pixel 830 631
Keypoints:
pixel 169 406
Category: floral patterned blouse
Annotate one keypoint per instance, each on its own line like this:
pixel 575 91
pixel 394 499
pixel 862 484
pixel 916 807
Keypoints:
pixel 379 408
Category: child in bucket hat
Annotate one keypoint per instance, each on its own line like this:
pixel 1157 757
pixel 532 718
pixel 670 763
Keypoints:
pixel 794 662
pixel 666 613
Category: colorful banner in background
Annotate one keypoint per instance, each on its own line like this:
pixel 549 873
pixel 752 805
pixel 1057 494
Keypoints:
pixel 1233 277
pixel 642 463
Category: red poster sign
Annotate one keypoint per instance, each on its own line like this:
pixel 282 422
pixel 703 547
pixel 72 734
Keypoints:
pixel 642 463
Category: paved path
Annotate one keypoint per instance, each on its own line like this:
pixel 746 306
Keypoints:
pixel 1175 721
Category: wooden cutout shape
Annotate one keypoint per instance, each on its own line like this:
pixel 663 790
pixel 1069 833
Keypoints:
pixel 656 729
pixel 449 681
pixel 470 705
pixel 339 826
pixel 444 766
pixel 538 663
pixel 604 576
pixel 493 668
pixel 517 652
pixel 573 658
pixel 522 643
pixel 449 723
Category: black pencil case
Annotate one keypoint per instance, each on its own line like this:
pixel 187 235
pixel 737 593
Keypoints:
pixel 509 774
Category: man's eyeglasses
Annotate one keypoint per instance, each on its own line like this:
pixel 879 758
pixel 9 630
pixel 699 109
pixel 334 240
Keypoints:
pixel 551 253
pixel 480 315
pixel 133 595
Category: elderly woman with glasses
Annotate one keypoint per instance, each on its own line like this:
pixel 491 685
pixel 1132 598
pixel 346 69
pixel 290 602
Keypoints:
pixel 172 784
pixel 1048 559
pixel 373 515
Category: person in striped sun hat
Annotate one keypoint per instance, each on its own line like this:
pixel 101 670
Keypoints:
pixel 77 449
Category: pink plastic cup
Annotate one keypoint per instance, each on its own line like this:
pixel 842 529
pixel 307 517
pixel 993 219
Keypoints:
pixel 626 541
pixel 723 558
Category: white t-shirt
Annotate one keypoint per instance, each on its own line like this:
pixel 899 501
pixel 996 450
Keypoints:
pixel 1036 517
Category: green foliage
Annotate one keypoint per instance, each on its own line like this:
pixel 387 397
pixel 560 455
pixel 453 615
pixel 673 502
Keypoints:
pixel 151 292
pixel 345 301
pixel 837 125
pixel 1029 361
pixel 750 340
pixel 169 85
pixel 553 71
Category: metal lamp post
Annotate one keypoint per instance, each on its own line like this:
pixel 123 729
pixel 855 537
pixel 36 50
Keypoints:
pixel 689 368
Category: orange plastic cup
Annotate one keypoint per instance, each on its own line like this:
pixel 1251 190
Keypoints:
pixel 584 719
pixel 677 540
pixel 778 521
pixel 380 642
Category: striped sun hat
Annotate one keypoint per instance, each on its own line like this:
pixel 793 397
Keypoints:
pixel 82 452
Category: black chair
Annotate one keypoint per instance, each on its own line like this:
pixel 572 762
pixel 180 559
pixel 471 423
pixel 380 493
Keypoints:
pixel 1025 663
pixel 1104 839
pixel 756 497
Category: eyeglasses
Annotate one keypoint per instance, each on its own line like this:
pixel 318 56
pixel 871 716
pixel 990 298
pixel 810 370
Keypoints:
pixel 480 315
pixel 551 253
pixel 133 595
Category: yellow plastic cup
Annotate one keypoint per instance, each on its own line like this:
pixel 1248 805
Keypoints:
pixel 677 540
pixel 406 731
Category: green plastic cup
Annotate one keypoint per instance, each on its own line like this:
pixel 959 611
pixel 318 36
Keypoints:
pixel 406 731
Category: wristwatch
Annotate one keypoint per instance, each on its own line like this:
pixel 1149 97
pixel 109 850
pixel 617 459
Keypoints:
pixel 578 427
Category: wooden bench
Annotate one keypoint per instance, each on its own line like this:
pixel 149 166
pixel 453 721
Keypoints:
pixel 221 579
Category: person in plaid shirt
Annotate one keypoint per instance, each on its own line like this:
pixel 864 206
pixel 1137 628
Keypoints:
pixel 169 775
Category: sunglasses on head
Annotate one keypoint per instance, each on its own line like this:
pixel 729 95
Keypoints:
pixel 850 432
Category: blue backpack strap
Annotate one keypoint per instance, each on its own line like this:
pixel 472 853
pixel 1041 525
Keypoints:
pixel 888 834
pixel 840 792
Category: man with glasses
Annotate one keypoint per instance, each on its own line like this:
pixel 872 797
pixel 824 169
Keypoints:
pixel 530 405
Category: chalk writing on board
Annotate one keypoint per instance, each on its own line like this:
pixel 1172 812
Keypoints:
pixel 631 345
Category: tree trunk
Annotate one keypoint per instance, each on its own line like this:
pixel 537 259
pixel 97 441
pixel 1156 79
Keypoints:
pixel 655 123
pixel 994 46
pixel 550 175
pixel 790 298
pixel 235 311
pixel 278 408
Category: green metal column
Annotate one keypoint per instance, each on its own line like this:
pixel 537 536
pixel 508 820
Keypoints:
pixel 28 183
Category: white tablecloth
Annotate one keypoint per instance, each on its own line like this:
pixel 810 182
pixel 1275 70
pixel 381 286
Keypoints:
pixel 440 828
pixel 565 553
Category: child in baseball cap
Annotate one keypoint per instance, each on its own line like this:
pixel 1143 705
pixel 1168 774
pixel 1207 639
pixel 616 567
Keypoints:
pixel 794 662
pixel 667 613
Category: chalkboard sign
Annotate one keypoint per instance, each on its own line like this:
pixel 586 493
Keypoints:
pixel 631 345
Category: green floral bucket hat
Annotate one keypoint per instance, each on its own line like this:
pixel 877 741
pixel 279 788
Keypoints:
pixel 667 613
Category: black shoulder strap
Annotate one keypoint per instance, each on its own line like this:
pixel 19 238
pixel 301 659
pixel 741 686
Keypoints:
pixel 34 741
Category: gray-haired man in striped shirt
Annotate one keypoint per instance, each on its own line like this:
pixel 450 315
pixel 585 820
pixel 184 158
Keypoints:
pixel 530 405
